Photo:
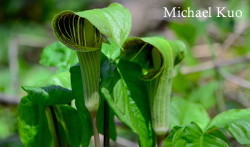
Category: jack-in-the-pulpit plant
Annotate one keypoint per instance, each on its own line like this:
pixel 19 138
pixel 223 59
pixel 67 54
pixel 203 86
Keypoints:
pixel 157 57
pixel 132 77
pixel 80 35
pixel 85 32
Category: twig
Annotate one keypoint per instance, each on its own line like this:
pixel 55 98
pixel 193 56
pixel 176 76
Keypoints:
pixel 13 64
pixel 33 40
pixel 211 65
pixel 241 100
pixel 235 79
pixel 219 93
pixel 219 63
pixel 8 99
pixel 232 38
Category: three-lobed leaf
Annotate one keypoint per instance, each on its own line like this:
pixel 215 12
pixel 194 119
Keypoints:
pixel 192 135
pixel 236 122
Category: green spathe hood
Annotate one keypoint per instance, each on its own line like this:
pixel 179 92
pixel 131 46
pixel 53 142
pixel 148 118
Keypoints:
pixel 85 30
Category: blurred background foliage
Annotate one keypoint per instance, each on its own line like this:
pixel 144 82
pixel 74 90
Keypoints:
pixel 215 72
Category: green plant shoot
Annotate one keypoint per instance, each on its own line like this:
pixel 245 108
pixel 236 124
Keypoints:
pixel 85 32
pixel 157 58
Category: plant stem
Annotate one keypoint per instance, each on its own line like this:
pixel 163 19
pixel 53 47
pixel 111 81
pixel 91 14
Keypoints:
pixel 106 124
pixel 160 140
pixel 52 126
pixel 95 129
pixel 90 72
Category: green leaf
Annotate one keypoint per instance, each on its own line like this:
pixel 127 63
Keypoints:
pixel 219 133
pixel 111 51
pixel 33 120
pixel 76 83
pixel 205 94
pixel 48 95
pixel 125 94
pixel 113 21
pixel 183 112
pixel 58 55
pixel 236 122
pixel 181 84
pixel 111 125
pixel 59 79
pixel 72 123
pixel 192 135
pixel 7 122
pixel 77 90
pixel 168 142
pixel 32 124
pixel 187 32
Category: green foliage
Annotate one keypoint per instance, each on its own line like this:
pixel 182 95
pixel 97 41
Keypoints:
pixel 135 81
pixel 47 96
pixel 114 21
pixel 236 122
pixel 58 55
pixel 183 112
pixel 125 94
pixel 34 122
pixel 192 135
pixel 157 58
pixel 60 79
pixel 77 91
pixel 69 118
pixel 111 51
pixel 205 94
pixel 7 125
pixel 33 126
pixel 85 32
pixel 187 32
